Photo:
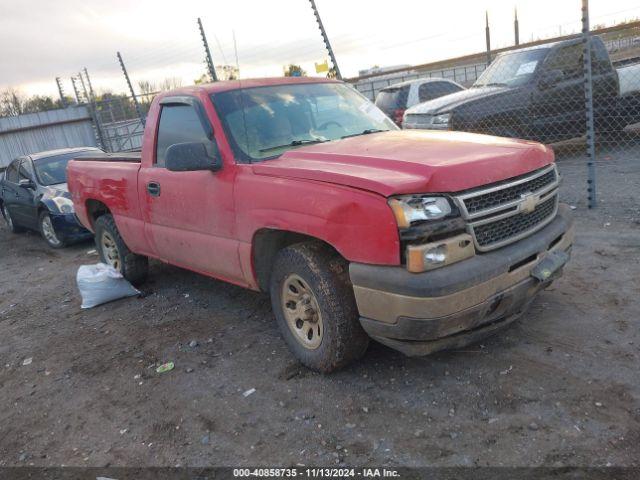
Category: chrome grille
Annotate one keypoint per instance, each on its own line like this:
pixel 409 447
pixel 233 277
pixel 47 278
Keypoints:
pixel 509 194
pixel 510 227
pixel 504 213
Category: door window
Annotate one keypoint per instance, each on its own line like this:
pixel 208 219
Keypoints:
pixel 568 60
pixel 179 124
pixel 431 90
pixel 12 172
pixel 24 171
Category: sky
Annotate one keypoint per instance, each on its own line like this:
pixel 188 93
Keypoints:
pixel 158 39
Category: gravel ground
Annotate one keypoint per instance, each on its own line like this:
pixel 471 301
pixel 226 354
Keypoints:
pixel 560 387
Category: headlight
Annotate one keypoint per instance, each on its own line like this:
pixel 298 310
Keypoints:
pixel 442 119
pixel 415 208
pixel 64 204
pixel 417 119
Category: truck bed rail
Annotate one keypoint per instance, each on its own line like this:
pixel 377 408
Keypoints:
pixel 132 157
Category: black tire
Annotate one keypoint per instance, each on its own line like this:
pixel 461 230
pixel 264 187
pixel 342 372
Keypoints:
pixel 132 267
pixel 327 274
pixel 48 233
pixel 13 228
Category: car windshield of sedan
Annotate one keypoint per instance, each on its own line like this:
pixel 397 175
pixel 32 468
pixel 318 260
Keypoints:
pixel 512 69
pixel 264 122
pixel 53 170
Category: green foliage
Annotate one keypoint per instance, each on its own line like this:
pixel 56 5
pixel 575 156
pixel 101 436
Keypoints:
pixel 294 71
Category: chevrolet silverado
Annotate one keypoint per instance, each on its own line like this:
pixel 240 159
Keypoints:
pixel 302 188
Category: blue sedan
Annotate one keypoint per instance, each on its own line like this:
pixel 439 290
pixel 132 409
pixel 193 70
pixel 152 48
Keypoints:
pixel 34 196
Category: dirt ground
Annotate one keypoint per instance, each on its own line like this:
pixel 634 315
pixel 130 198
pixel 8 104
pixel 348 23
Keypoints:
pixel 560 387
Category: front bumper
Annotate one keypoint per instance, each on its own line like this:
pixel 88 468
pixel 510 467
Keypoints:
pixel 459 304
pixel 68 228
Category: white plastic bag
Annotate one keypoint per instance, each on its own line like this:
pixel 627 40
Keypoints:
pixel 101 283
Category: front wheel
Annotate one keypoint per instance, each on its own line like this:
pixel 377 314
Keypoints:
pixel 314 305
pixel 48 232
pixel 113 251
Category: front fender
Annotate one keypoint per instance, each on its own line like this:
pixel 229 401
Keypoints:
pixel 358 224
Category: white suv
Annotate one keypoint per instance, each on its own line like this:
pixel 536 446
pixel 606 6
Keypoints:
pixel 395 99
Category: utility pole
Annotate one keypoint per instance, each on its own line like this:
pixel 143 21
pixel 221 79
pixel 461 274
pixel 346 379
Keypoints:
pixel 207 53
pixel 516 27
pixel 326 40
pixel 588 96
pixel 487 34
pixel 63 100
pixel 75 89
pixel 133 93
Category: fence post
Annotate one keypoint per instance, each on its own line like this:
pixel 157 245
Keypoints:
pixel 133 93
pixel 86 74
pixel 487 35
pixel 516 27
pixel 588 96
pixel 326 40
pixel 207 52
pixel 75 90
pixel 63 100
pixel 92 111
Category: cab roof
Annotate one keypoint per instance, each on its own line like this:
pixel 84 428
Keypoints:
pixel 227 85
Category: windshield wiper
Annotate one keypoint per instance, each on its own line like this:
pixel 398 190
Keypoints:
pixel 365 132
pixel 495 84
pixel 295 143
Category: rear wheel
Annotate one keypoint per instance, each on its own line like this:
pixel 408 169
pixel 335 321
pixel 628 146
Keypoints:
pixel 48 232
pixel 7 217
pixel 113 251
pixel 315 308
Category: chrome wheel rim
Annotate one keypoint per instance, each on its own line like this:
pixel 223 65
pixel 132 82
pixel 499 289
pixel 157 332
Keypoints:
pixel 110 250
pixel 7 217
pixel 301 311
pixel 49 232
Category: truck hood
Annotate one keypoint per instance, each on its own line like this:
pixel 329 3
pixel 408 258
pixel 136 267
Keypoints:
pixel 453 100
pixel 410 161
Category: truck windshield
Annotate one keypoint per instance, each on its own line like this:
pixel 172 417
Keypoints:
pixel 264 122
pixel 511 69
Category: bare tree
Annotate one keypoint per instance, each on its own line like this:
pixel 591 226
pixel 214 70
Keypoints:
pixel 170 83
pixel 147 90
pixel 11 102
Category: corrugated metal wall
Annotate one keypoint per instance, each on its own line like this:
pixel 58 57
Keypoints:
pixel 37 132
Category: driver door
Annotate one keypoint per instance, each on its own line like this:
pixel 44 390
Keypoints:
pixel 25 203
pixel 559 109
pixel 189 216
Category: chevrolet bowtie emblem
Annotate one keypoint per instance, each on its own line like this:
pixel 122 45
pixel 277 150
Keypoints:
pixel 529 202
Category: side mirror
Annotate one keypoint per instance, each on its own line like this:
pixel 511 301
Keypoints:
pixel 26 183
pixel 550 78
pixel 192 157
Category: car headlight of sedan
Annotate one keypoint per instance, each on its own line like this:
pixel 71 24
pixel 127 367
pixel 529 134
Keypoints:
pixel 64 205
pixel 410 209
pixel 442 119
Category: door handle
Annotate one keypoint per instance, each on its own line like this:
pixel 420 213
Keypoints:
pixel 154 189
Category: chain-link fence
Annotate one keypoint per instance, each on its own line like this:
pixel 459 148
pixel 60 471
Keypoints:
pixel 570 93
pixel 578 92
pixel 119 121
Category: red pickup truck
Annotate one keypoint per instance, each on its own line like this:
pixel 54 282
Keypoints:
pixel 421 240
